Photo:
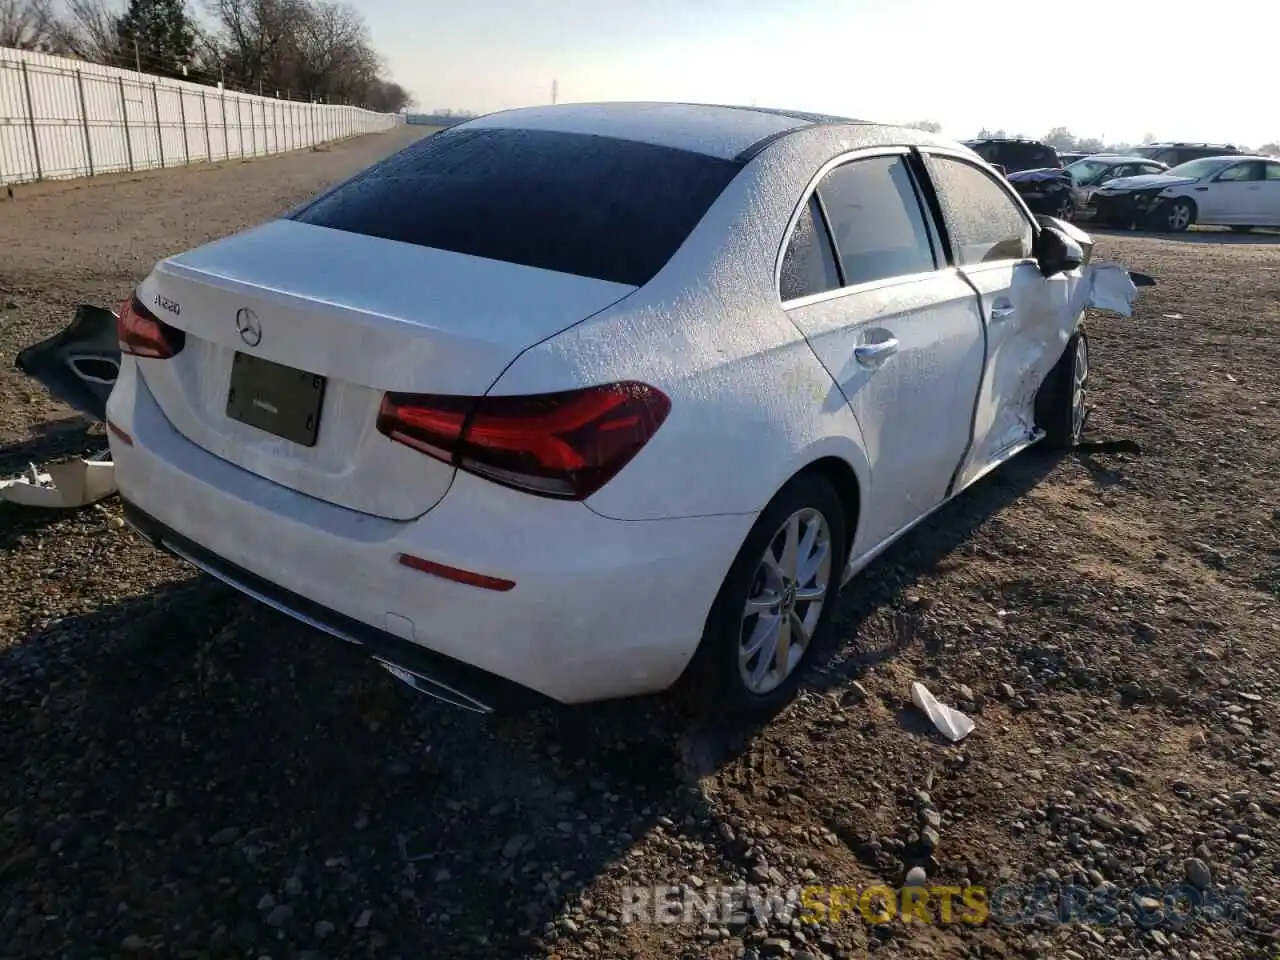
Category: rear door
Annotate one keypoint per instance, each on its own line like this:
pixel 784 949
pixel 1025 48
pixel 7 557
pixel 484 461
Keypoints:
pixel 864 278
pixel 991 237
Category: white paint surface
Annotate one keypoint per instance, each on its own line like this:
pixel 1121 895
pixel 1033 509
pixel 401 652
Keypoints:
pixel 370 315
pixel 612 594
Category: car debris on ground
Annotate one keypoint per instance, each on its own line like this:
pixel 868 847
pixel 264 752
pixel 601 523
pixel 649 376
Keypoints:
pixel 65 485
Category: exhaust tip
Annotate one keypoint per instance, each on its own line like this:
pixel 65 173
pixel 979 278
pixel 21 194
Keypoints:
pixel 433 688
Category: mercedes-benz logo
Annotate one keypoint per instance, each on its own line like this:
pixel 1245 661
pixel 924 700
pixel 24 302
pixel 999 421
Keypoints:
pixel 249 326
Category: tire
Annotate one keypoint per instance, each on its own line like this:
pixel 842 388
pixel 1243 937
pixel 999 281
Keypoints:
pixel 1178 215
pixel 1062 404
pixel 718 678
pixel 1066 209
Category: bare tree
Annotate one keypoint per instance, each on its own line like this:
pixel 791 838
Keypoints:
pixel 89 31
pixel 308 49
pixel 929 126
pixel 335 57
pixel 258 39
pixel 314 49
pixel 26 24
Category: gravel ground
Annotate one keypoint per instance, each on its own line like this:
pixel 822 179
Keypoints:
pixel 186 774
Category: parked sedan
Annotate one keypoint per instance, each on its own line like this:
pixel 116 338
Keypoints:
pixel 1090 173
pixel 586 401
pixel 1241 192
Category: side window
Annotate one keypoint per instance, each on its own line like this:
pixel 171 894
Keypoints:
pixel 876 220
pixel 809 266
pixel 1124 170
pixel 1045 157
pixel 1241 172
pixel 984 222
pixel 1273 171
pixel 1151 168
pixel 988 152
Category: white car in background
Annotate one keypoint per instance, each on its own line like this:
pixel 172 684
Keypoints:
pixel 587 400
pixel 1241 192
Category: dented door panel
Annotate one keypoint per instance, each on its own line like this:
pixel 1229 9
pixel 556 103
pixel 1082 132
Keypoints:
pixel 1025 345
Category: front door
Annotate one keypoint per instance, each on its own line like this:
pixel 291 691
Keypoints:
pixel 1271 194
pixel 1022 312
pixel 1233 196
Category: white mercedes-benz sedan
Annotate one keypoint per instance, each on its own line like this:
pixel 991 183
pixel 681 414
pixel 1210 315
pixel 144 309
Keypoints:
pixel 588 401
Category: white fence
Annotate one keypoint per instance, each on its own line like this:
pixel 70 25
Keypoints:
pixel 66 118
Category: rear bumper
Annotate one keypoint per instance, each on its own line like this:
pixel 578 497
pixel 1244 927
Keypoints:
pixel 444 678
pixel 601 608
pixel 1045 201
pixel 1121 210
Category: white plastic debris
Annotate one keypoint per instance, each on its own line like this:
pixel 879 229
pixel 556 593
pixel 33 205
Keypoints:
pixel 76 483
pixel 1111 288
pixel 952 724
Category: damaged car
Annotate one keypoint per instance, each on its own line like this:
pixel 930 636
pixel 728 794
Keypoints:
pixel 1049 191
pixel 1240 192
pixel 1090 173
pixel 587 401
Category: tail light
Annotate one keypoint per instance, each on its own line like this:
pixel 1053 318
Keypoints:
pixel 143 334
pixel 565 445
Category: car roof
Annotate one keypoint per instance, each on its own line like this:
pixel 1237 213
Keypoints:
pixel 1234 157
pixel 1038 143
pixel 719 130
pixel 1117 158
pixel 1192 143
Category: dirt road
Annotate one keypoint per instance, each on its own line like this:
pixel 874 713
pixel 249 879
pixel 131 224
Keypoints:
pixel 185 774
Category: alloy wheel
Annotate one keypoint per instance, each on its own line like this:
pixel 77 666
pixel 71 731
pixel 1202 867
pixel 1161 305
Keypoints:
pixel 1079 387
pixel 785 601
pixel 1179 217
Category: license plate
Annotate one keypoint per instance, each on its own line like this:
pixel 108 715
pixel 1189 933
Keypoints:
pixel 276 399
pixel 1034 195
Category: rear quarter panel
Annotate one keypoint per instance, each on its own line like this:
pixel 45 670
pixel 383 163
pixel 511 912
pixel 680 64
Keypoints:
pixel 750 403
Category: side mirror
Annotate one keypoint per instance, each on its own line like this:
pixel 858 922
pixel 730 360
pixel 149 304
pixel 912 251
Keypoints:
pixel 1056 252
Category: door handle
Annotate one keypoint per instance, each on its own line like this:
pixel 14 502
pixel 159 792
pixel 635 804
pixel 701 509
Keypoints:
pixel 1002 310
pixel 874 354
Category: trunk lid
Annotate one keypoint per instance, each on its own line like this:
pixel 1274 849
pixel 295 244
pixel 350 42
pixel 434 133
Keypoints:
pixel 368 315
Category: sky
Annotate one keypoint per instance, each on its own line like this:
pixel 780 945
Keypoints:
pixel 1130 67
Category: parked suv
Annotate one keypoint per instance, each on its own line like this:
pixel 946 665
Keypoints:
pixel 1013 156
pixel 1172 154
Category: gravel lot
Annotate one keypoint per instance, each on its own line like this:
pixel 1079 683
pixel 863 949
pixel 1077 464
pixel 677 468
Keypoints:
pixel 186 774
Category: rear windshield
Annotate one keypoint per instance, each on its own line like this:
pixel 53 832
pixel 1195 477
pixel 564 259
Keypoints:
pixel 575 203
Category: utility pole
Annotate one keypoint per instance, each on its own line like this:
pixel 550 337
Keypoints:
pixel 137 58
pixel 555 90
